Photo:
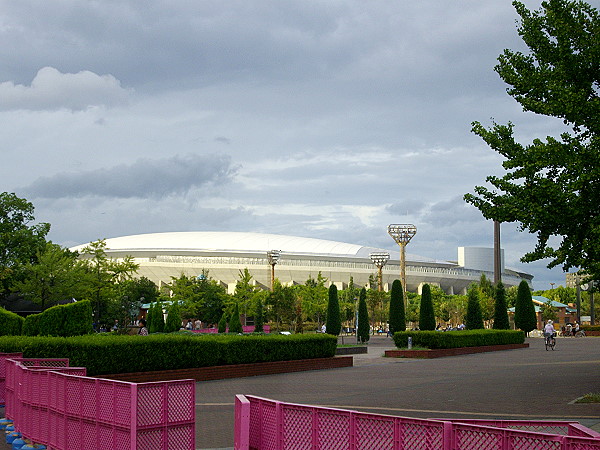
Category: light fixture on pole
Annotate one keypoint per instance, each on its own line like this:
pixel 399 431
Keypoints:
pixel 273 258
pixel 380 259
pixel 402 234
pixel 591 286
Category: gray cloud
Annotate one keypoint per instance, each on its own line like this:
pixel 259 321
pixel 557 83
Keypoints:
pixel 51 89
pixel 143 179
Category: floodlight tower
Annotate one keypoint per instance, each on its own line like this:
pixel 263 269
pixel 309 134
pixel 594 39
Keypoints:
pixel 380 259
pixel 402 234
pixel 273 258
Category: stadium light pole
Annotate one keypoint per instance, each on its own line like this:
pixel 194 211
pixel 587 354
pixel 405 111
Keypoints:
pixel 273 258
pixel 402 234
pixel 380 259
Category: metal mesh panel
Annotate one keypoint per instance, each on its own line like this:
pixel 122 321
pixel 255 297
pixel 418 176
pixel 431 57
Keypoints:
pixel 541 428
pixel 150 398
pixel 121 404
pixel 475 439
pixel 180 437
pixel 269 426
pixel 149 440
pixel 333 429
pixel 72 396
pixel 254 435
pixel 73 433
pixel 583 444
pixel 297 427
pixel 374 433
pixel 56 436
pixel 105 436
pixel 88 393
pixel 417 435
pixel 88 434
pixel 178 395
pixel 518 442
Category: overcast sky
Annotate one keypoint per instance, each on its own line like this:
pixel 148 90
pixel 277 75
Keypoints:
pixel 327 119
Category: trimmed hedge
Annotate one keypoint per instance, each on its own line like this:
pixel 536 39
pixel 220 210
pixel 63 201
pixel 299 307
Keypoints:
pixel 456 339
pixel 112 354
pixel 11 324
pixel 73 319
pixel 590 327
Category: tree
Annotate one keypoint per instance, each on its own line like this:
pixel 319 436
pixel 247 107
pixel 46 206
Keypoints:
pixel 20 241
pixel 363 318
pixel 474 318
pixel 525 318
pixel 397 315
pixel 426 314
pixel 552 187
pixel 549 312
pixel 500 310
pixel 244 293
pixel 313 296
pixel 173 322
pixel 54 276
pixel 222 326
pixel 155 319
pixel 259 318
pixel 235 325
pixel 334 324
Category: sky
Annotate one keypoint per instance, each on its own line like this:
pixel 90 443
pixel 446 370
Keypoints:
pixel 328 119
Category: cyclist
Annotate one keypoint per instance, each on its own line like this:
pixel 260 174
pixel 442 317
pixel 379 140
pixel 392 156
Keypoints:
pixel 549 330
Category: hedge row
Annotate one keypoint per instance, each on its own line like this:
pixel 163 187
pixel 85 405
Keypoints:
pixel 11 324
pixel 73 319
pixel 591 327
pixel 112 354
pixel 456 339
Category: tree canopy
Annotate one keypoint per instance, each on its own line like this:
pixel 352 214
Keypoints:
pixel 551 187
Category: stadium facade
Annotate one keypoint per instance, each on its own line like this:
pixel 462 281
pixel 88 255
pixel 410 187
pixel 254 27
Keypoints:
pixel 162 256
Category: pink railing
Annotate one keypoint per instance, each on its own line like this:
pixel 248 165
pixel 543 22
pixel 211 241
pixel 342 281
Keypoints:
pixel 268 424
pixel 3 358
pixel 245 329
pixel 64 409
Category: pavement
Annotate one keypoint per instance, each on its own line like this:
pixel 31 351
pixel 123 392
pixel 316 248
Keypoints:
pixel 523 384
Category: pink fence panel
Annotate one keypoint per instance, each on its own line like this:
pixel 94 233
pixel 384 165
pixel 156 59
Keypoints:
pixel 269 424
pixel 62 408
pixel 3 358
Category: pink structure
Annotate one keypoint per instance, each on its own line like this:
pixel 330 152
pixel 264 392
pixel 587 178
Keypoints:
pixel 3 358
pixel 245 329
pixel 62 408
pixel 268 424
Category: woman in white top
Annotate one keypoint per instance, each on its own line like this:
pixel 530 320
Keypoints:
pixel 549 329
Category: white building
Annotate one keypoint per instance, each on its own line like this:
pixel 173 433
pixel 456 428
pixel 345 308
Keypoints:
pixel 164 255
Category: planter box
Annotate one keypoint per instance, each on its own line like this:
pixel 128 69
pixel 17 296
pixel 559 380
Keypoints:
pixel 235 370
pixel 440 353
pixel 351 350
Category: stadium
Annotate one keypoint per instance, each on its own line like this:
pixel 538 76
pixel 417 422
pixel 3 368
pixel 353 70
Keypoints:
pixel 162 256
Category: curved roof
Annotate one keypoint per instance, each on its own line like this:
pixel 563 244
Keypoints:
pixel 240 242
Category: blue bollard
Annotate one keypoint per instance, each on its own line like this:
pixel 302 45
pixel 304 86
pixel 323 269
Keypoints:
pixel 4 423
pixel 17 443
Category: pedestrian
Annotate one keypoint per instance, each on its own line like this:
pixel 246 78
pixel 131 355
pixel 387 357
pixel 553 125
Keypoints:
pixel 143 330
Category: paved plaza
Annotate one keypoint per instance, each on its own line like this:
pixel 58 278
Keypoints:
pixel 515 384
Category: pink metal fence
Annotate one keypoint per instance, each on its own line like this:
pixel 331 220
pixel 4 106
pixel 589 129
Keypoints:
pixel 63 409
pixel 268 424
pixel 3 358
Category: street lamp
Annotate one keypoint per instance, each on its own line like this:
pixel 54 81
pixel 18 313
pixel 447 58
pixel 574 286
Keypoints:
pixel 402 234
pixel 380 259
pixel 273 258
pixel 591 287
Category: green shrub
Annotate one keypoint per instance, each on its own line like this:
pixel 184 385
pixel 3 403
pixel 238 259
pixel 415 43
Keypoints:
pixel 235 324
pixel 112 354
pixel 474 316
pixel 363 317
pixel 455 339
pixel 397 313
pixel 11 324
pixel 173 322
pixel 222 326
pixel 590 327
pixel 500 309
pixel 259 319
pixel 73 319
pixel 426 313
pixel 525 318
pixel 334 322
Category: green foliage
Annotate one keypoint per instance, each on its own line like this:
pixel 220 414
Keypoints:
pixel 549 312
pixel 426 313
pixel 457 339
pixel 397 314
pixel 551 187
pixel 173 322
pixel 525 318
pixel 259 318
pixel 313 297
pixel 112 354
pixel 155 318
pixel 590 327
pixel 222 326
pixel 200 296
pixel 11 324
pixel 281 304
pixel 474 318
pixel 334 323
pixel 235 325
pixel 500 311
pixel 363 317
pixel 73 319
pixel 19 241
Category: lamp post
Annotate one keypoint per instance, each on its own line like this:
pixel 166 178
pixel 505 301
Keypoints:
pixel 591 286
pixel 380 259
pixel 402 234
pixel 273 258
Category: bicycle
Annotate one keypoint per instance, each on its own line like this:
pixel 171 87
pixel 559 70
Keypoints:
pixel 550 342
pixel 580 333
